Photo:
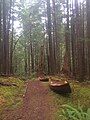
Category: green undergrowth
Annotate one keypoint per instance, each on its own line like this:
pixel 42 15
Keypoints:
pixel 11 96
pixel 80 95
pixel 32 77
pixel 72 113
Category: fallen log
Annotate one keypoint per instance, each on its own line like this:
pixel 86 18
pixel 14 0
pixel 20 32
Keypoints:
pixel 7 84
pixel 61 87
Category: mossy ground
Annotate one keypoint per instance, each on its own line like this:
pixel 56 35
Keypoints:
pixel 11 96
pixel 80 95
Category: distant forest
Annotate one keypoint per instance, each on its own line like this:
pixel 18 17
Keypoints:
pixel 45 37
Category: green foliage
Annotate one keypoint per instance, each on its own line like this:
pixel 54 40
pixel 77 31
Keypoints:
pixel 80 94
pixel 11 95
pixel 71 113
pixel 32 76
pixel 29 16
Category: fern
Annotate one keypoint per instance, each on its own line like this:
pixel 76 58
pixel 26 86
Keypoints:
pixel 72 113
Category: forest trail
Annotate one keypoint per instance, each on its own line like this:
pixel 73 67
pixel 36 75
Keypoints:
pixel 37 102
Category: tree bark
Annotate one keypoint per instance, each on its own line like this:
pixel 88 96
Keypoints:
pixel 0 40
pixel 25 50
pixel 56 41
pixel 88 34
pixel 49 29
pixel 4 39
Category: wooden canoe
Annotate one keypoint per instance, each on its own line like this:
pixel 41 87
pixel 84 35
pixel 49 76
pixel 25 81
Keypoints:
pixel 61 87
pixel 43 79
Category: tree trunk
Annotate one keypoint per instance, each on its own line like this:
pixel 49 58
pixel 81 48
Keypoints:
pixel 32 57
pixel 67 40
pixel 4 40
pixel 41 62
pixel 51 56
pixel 56 41
pixel 88 34
pixel 25 60
pixel 29 59
pixel 11 46
pixel 11 49
pixel 0 41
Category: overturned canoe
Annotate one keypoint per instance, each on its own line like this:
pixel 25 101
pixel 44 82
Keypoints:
pixel 43 79
pixel 61 87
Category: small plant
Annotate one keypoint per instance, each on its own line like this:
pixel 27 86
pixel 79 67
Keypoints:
pixel 32 76
pixel 71 113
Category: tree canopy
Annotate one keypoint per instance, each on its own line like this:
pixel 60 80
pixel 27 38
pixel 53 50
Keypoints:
pixel 45 37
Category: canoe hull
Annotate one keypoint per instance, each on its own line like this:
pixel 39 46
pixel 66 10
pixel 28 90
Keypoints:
pixel 44 79
pixel 62 89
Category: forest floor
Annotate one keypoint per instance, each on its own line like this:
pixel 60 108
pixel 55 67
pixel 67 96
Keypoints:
pixel 39 102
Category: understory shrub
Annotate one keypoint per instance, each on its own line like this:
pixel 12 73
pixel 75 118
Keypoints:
pixel 71 113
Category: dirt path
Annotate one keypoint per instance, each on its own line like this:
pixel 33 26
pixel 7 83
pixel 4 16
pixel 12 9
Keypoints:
pixel 37 102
